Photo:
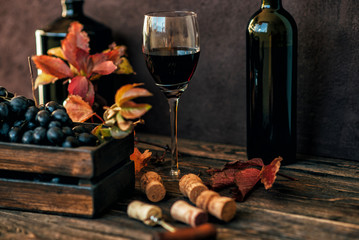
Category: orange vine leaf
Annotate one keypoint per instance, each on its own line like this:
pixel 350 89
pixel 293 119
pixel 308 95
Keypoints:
pixel 140 159
pixel 78 109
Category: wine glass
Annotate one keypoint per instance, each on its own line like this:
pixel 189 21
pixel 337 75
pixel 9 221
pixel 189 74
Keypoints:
pixel 171 50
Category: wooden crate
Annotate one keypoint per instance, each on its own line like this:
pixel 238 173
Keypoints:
pixel 81 181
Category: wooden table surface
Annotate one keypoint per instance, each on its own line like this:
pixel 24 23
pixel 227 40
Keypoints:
pixel 322 204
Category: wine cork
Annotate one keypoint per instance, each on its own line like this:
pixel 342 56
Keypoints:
pixel 191 186
pixel 143 212
pixel 204 198
pixel 224 208
pixel 152 186
pixel 184 212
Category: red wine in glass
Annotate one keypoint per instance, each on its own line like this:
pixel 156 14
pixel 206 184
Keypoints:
pixel 172 68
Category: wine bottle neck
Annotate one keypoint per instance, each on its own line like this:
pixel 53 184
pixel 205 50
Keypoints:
pixel 72 8
pixel 271 4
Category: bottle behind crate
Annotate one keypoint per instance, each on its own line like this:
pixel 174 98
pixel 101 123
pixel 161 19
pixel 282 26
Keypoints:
pixel 271 83
pixel 51 35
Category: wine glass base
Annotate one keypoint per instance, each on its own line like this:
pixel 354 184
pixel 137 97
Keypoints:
pixel 173 175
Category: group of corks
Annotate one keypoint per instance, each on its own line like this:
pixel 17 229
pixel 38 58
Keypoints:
pixel 191 186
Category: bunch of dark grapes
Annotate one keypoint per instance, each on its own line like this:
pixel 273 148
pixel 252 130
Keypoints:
pixel 23 122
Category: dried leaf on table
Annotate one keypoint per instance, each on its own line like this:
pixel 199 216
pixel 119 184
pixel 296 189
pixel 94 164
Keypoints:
pixel 140 159
pixel 245 180
pixel 269 172
pixel 245 175
pixel 223 178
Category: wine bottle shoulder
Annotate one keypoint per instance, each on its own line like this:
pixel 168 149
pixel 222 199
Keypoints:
pixel 270 21
pixel 61 25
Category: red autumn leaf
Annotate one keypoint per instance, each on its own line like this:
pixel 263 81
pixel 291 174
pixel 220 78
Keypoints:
pixel 269 172
pixel 104 68
pixel 82 87
pixel 77 52
pixel 75 39
pixel 84 63
pixel 245 181
pixel 245 175
pixel 97 63
pixel 53 66
pixel 140 159
pixel 78 109
pixel 115 53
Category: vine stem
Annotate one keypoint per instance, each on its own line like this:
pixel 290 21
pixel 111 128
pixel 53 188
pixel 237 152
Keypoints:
pixel 32 80
pixel 166 147
pixel 286 176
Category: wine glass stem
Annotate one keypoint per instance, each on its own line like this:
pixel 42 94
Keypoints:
pixel 173 103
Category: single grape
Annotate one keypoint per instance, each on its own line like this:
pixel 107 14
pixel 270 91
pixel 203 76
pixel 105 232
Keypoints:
pixel 87 139
pixel 18 105
pixel 30 113
pixel 67 131
pixel 79 129
pixel 28 137
pixel 15 134
pixel 60 115
pixel 43 118
pixel 52 106
pixel 70 142
pixel 54 124
pixel 55 135
pixel 40 135
pixel 4 130
pixel 4 110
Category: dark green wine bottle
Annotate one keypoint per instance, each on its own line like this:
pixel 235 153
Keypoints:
pixel 271 37
pixel 51 36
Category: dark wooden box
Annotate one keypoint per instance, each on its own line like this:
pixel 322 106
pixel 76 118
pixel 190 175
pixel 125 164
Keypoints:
pixel 81 181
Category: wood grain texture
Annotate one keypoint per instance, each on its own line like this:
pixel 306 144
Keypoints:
pixel 82 162
pixel 87 200
pixel 322 204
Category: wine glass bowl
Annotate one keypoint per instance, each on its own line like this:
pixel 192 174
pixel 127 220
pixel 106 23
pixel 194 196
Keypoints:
pixel 171 50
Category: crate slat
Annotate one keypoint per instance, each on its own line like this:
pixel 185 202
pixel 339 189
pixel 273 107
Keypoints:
pixel 83 162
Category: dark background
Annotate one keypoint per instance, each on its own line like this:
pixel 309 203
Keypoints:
pixel 213 107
